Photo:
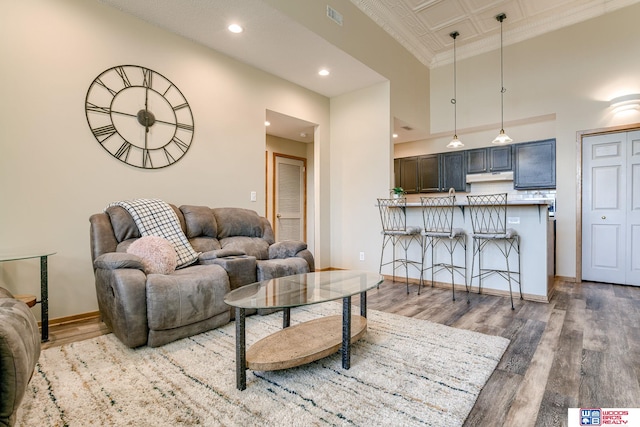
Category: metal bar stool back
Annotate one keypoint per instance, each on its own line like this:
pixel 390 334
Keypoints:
pixel 437 215
pixel 396 233
pixel 489 222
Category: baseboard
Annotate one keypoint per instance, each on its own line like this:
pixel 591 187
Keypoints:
pixel 565 279
pixel 485 291
pixel 72 319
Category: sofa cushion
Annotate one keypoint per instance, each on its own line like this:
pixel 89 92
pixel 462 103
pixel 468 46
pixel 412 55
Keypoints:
pixel 199 221
pixel 252 246
pixel 238 222
pixel 158 255
pixel 205 244
pixel 124 227
pixel 186 296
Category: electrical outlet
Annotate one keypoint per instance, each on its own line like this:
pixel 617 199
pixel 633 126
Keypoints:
pixel 254 196
pixel 513 220
pixel 361 256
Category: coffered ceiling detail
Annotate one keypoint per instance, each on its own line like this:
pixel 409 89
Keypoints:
pixel 423 26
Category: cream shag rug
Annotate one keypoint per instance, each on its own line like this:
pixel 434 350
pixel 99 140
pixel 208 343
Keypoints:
pixel 404 372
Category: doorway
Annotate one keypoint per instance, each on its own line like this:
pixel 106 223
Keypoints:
pixel 610 205
pixel 289 184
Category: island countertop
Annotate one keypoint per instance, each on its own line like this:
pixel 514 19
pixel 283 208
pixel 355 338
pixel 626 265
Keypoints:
pixel 530 218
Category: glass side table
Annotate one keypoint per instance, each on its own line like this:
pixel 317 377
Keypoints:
pixel 44 283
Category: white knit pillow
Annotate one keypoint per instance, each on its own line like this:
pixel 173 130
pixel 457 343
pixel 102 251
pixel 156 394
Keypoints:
pixel 158 254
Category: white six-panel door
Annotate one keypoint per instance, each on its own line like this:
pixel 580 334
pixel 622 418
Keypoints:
pixel 611 208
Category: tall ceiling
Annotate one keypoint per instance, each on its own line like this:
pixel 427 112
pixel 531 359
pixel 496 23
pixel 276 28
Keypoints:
pixel 278 45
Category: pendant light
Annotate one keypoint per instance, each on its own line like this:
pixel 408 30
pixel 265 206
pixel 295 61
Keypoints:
pixel 455 142
pixel 502 137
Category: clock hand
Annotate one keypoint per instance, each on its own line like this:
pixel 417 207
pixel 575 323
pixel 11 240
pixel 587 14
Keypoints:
pixel 146 114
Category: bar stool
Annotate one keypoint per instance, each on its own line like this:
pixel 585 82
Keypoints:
pixel 437 215
pixel 393 214
pixel 489 221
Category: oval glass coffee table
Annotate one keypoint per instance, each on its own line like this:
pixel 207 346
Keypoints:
pixel 308 341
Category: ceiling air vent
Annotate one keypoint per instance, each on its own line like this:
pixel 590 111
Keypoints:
pixel 334 15
pixel 407 128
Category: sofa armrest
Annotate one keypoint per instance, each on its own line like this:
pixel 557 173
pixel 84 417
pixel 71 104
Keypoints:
pixel 122 300
pixel 116 260
pixel 286 249
pixel 19 352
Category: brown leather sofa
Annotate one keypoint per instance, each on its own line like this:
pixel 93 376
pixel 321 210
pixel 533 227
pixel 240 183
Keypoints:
pixel 236 247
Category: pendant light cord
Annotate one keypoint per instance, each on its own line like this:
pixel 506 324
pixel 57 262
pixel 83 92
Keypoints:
pixel 454 100
pixel 501 18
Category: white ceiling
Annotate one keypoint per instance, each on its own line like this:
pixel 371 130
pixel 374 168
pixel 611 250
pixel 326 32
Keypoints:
pixel 276 44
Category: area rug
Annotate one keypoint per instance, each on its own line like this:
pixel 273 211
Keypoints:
pixel 404 372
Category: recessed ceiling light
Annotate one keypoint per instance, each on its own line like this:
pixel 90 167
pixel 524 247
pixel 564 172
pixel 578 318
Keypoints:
pixel 323 72
pixel 267 123
pixel 395 135
pixel 235 28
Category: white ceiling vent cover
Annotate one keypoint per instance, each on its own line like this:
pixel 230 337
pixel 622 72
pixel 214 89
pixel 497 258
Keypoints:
pixel 334 15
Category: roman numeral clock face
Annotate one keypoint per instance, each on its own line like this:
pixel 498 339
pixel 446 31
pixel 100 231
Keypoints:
pixel 139 117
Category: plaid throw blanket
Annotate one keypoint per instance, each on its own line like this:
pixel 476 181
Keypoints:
pixel 156 218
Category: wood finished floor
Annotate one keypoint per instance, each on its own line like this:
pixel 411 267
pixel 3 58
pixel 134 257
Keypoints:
pixel 580 350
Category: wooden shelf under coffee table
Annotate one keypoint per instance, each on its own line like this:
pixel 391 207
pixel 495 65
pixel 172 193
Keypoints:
pixel 308 341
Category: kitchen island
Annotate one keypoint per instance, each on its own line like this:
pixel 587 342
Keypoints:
pixel 530 218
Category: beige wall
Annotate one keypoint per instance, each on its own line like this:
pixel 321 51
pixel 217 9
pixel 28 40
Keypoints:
pixel 557 85
pixel 53 173
pixel 360 172
pixel 362 38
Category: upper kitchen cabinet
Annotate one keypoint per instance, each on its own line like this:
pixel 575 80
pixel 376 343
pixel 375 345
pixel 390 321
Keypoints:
pixel 453 171
pixel 429 173
pixel 417 174
pixel 408 174
pixel 535 165
pixel 489 159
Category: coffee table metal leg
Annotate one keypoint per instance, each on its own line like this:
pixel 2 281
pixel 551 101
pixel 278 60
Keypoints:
pixel 363 304
pixel 346 332
pixel 241 359
pixel 286 317
pixel 44 298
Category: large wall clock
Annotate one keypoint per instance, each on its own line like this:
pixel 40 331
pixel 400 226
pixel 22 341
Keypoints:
pixel 139 116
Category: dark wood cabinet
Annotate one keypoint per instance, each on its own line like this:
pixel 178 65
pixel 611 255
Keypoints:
pixel 535 165
pixel 452 171
pixel 490 159
pixel 408 175
pixel 429 174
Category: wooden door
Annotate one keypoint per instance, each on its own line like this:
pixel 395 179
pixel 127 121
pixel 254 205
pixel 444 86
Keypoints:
pixel 289 198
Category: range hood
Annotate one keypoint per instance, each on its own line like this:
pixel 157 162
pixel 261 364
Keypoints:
pixel 488 177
